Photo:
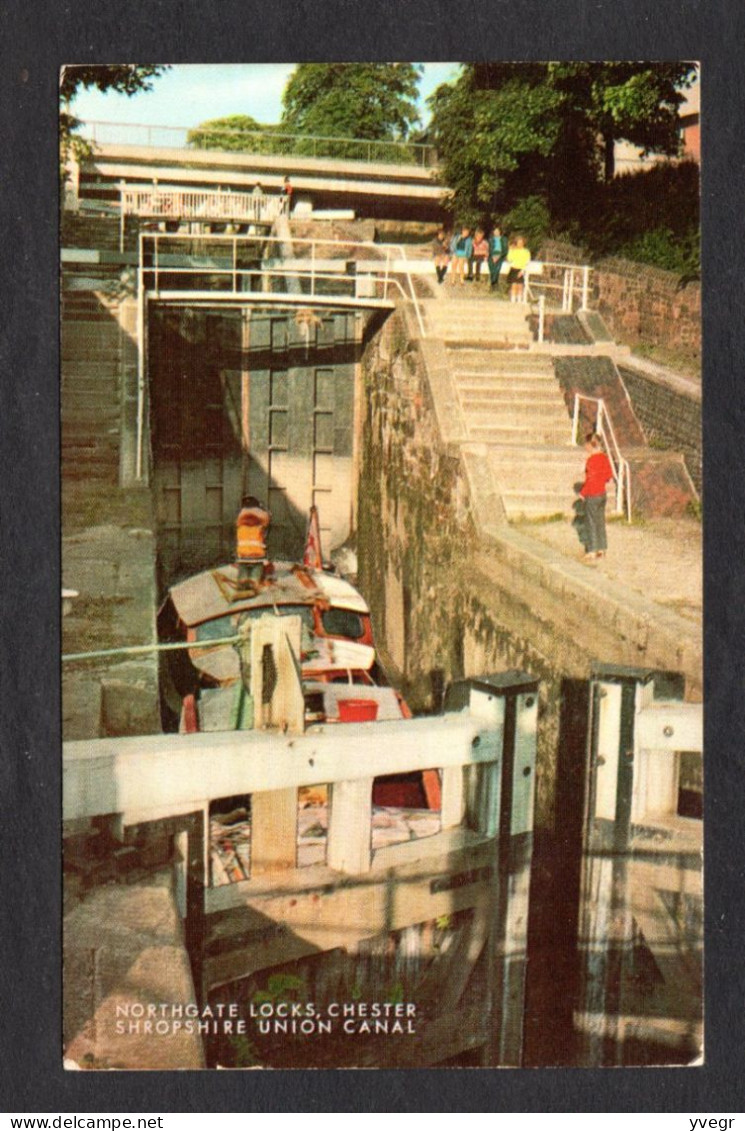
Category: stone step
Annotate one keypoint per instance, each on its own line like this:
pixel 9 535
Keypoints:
pixel 463 302
pixel 444 317
pixel 86 332
pixel 519 387
pixel 537 478
pixel 88 304
pixel 92 417
pixel 93 371
pixel 475 361
pixel 451 314
pixel 543 413
pixel 508 397
pixel 487 343
pixel 518 433
pixel 81 389
pixel 72 354
pixel 88 390
pixel 71 320
pixel 560 455
pixel 99 452
pixel 76 458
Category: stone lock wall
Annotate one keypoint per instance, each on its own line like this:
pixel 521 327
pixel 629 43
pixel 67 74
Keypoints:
pixel 441 607
pixel 414 533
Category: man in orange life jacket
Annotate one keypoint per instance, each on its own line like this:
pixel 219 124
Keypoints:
pixel 250 534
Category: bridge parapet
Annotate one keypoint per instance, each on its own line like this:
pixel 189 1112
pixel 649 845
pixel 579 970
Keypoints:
pixel 265 143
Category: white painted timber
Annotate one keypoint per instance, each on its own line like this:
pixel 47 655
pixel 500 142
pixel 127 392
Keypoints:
pixel 608 752
pixel 350 831
pixel 671 725
pixel 523 782
pixel 155 774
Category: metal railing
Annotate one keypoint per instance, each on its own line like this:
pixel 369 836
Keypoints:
pixel 175 205
pixel 265 143
pixel 563 286
pixel 240 267
pixel 604 428
pixel 370 269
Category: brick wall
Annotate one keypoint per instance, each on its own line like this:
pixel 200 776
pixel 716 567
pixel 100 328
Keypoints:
pixel 640 303
pixel 670 419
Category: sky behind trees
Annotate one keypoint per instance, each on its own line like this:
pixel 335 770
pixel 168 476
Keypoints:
pixel 196 92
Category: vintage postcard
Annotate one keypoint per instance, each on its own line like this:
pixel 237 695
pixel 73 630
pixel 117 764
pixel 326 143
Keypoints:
pixel 381 565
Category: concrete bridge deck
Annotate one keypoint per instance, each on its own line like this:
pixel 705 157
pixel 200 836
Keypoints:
pixel 327 182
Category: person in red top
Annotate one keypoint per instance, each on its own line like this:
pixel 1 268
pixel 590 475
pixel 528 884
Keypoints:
pixel 598 472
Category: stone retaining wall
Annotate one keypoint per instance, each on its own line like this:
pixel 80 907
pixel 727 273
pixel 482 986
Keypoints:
pixel 670 419
pixel 639 302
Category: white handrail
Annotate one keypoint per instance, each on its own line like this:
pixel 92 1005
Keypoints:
pixel 377 263
pixel 619 465
pixel 570 283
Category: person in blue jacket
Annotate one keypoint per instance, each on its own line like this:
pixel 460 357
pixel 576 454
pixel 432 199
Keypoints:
pixel 461 247
pixel 498 248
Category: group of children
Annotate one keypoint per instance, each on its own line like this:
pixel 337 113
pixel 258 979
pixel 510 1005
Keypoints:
pixel 465 253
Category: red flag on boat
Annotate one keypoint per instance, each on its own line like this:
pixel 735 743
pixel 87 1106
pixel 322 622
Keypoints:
pixel 312 552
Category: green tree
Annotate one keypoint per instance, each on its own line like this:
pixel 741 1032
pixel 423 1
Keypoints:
pixel 636 102
pixel 370 101
pixel 508 130
pixel 237 132
pixel 495 128
pixel 124 78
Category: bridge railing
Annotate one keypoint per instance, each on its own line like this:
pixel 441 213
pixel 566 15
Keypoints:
pixel 202 206
pixel 267 143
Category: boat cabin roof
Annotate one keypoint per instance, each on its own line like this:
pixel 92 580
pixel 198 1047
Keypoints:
pixel 217 592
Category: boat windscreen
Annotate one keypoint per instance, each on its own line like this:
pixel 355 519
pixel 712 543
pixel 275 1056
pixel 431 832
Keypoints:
pixel 217 629
pixel 343 622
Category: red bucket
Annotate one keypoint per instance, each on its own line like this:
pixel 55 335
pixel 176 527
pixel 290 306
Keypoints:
pixel 357 710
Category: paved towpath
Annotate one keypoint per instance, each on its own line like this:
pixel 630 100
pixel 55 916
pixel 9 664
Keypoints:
pixel 661 559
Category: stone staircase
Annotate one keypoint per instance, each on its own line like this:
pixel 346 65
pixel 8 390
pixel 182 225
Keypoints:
pixel 91 355
pixel 515 429
pixel 478 322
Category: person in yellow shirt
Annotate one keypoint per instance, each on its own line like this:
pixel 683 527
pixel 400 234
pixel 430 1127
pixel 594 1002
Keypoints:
pixel 518 258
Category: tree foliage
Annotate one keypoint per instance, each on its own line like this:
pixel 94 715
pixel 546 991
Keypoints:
pixel 125 78
pixel 372 101
pixel 237 132
pixel 508 130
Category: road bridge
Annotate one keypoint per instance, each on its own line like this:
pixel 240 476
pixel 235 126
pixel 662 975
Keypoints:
pixel 376 187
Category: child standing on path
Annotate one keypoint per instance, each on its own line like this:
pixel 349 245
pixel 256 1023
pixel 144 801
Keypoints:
pixel 598 472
